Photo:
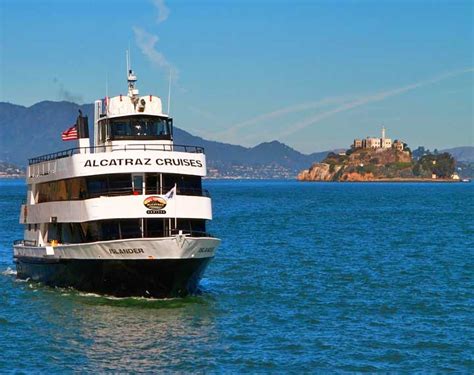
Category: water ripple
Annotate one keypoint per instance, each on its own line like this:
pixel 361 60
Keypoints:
pixel 316 278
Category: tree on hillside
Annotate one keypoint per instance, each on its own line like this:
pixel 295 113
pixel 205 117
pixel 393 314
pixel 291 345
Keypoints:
pixel 419 152
pixel 443 165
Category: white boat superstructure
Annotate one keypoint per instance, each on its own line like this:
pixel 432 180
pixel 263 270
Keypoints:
pixel 126 216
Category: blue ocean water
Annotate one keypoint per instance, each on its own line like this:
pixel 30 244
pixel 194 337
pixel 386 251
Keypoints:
pixel 311 277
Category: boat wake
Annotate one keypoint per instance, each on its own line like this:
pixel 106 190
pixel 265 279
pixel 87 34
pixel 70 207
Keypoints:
pixel 9 272
pixel 70 292
pixel 130 298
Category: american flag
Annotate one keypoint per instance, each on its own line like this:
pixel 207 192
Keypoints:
pixel 69 134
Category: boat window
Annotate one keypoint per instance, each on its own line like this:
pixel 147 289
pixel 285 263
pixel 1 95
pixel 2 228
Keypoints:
pixel 71 233
pixel 141 127
pixel 109 230
pixel 121 128
pixel 152 183
pixel 130 228
pixel 76 188
pixel 80 188
pixel 96 186
pixel 91 230
pixel 186 184
pixel 61 190
pixel 102 131
pixel 155 227
pixel 195 227
pixel 120 184
pixel 54 232
pixel 137 181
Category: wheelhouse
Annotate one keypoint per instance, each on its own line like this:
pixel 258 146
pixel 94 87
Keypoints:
pixel 136 128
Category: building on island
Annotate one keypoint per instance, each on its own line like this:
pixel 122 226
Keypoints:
pixel 398 145
pixel 357 143
pixel 371 142
pixel 376 143
pixel 385 142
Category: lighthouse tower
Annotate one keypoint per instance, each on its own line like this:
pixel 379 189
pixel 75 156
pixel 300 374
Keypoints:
pixel 385 142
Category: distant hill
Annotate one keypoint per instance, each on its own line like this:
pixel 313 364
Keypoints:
pixel 26 132
pixel 463 154
pixel 31 131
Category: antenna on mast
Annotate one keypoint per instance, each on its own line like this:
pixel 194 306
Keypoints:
pixel 106 84
pixel 169 93
pixel 131 78
pixel 106 100
pixel 127 61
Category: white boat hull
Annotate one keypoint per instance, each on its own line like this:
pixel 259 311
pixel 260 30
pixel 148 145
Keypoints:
pixel 151 267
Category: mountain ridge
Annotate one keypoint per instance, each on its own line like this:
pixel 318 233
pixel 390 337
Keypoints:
pixel 26 132
pixel 462 153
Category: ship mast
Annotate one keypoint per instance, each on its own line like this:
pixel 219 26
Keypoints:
pixel 131 81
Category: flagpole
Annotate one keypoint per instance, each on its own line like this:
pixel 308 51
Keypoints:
pixel 175 215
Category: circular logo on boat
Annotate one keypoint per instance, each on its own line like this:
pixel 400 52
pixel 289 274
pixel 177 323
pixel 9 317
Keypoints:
pixel 155 203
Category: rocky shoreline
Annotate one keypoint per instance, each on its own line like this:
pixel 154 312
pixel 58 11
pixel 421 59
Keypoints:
pixel 394 180
pixel 381 165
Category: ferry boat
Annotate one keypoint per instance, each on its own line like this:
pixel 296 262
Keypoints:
pixel 124 217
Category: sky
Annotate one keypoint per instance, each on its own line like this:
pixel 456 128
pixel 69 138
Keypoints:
pixel 311 74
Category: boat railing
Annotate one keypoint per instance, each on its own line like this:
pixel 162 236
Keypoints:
pixel 126 147
pixel 25 242
pixel 179 191
pixel 192 233
pixel 116 192
pixel 148 191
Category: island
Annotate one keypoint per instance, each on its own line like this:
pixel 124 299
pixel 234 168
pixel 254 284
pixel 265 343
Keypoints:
pixel 380 159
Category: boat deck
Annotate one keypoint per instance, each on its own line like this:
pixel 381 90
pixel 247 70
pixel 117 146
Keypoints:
pixel 127 147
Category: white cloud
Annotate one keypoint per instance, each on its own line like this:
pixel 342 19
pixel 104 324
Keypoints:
pixel 343 104
pixel 147 44
pixel 367 100
pixel 205 114
pixel 163 10
pixel 230 132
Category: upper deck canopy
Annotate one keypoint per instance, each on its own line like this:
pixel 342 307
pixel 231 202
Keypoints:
pixel 124 105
